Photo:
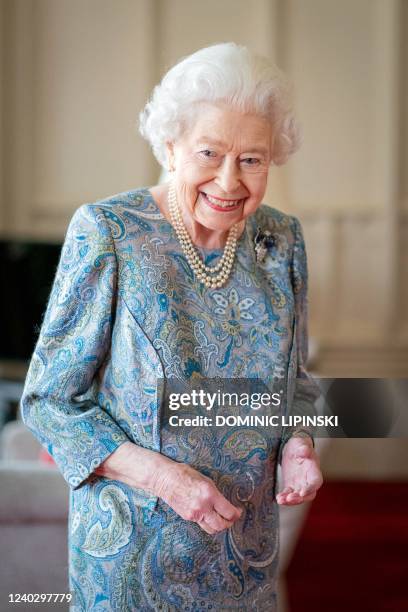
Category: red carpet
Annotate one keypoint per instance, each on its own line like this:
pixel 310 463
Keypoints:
pixel 353 551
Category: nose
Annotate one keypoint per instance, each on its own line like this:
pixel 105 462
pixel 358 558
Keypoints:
pixel 228 176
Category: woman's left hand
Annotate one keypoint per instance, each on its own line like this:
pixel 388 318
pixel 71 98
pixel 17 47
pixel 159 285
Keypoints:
pixel 301 473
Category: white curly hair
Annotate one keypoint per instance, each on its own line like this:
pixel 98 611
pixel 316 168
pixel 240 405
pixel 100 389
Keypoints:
pixel 224 72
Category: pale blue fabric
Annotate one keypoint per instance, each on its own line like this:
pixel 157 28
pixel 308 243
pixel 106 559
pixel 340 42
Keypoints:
pixel 124 312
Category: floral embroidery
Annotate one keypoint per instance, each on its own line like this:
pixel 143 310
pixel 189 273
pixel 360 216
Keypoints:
pixel 233 307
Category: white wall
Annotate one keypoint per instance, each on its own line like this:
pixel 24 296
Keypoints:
pixel 77 72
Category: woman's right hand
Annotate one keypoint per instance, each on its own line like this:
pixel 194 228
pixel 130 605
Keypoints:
pixel 188 492
pixel 195 497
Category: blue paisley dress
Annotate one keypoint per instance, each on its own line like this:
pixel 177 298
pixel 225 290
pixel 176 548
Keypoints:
pixel 125 310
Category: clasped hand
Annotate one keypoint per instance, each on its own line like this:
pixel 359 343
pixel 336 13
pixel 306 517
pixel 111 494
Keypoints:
pixel 194 496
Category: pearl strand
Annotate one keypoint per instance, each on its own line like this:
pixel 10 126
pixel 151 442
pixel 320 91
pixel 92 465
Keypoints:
pixel 212 277
pixel 178 222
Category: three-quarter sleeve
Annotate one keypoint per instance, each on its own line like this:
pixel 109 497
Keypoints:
pixel 306 390
pixel 60 397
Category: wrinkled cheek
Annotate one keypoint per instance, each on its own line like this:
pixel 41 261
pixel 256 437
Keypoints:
pixel 191 201
pixel 250 207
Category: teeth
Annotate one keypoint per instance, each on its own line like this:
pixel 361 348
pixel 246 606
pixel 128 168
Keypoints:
pixel 222 204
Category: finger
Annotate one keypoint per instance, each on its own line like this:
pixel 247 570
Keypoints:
pixel 281 499
pixel 293 496
pixel 294 502
pixel 284 501
pixel 300 500
pixel 225 509
pixel 206 527
pixel 282 494
pixel 286 490
pixel 217 522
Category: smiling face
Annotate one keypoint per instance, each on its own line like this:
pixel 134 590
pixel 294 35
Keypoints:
pixel 221 169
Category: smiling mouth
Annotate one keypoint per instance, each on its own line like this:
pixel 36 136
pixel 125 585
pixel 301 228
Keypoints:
pixel 223 205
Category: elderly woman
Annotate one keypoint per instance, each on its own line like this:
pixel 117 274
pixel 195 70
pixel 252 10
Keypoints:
pixel 190 279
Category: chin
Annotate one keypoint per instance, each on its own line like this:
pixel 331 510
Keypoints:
pixel 217 225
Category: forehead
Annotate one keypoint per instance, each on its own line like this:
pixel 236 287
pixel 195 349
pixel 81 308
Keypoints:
pixel 219 125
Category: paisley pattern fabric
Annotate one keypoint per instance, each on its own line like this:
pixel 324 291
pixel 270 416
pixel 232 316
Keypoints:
pixel 126 312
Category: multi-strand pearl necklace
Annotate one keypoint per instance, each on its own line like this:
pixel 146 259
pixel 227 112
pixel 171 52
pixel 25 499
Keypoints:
pixel 212 277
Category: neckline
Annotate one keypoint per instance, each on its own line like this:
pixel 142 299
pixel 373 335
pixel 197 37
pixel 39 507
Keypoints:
pixel 204 250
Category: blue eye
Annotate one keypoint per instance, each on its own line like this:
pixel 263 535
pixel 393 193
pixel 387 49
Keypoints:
pixel 251 161
pixel 207 153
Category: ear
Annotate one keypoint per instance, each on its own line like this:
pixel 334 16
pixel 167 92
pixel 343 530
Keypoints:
pixel 170 156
